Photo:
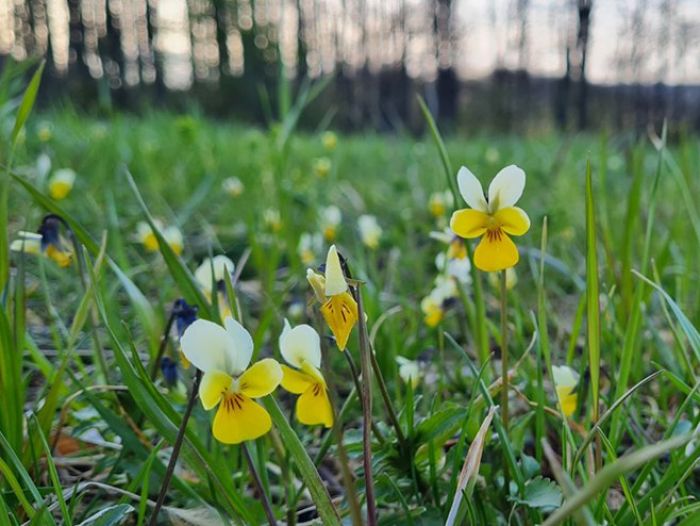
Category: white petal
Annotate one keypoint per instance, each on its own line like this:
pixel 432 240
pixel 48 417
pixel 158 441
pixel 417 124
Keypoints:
pixel 242 346
pixel 506 188
pixel 564 376
pixel 220 265
pixel 208 346
pixel 471 190
pixel 64 175
pixel 335 279
pixel 300 344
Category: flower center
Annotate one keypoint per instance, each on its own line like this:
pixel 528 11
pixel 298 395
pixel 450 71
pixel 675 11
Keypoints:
pixel 233 401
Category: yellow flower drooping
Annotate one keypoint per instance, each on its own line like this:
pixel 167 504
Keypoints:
pixel 61 183
pixel 511 279
pixel 223 355
pixel 565 381
pixel 433 312
pixel 494 220
pixel 301 348
pixel 338 308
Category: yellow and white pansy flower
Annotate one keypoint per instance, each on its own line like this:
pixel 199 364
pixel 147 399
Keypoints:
pixel 210 275
pixel 494 219
pixel 409 371
pixel 223 355
pixel 309 246
pixel 370 231
pixel 173 236
pixel 433 313
pixel 61 183
pixel 322 167
pixel 48 242
pixel 272 219
pixel 301 348
pixel 338 307
pixel 329 140
pixel 330 219
pixel 457 268
pixel 439 203
pixel 233 186
pixel 565 381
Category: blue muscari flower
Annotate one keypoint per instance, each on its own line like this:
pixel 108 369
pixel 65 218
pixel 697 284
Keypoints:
pixel 169 369
pixel 185 314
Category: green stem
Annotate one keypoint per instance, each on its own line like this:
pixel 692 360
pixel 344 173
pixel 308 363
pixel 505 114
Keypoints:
pixel 504 366
pixel 259 487
pixel 176 449
pixel 366 396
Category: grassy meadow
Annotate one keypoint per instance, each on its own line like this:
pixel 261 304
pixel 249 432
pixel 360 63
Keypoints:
pixel 94 389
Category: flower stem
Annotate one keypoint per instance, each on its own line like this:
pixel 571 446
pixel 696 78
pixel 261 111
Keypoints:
pixel 163 344
pixel 259 487
pixel 176 449
pixel 366 396
pixel 358 388
pixel 504 368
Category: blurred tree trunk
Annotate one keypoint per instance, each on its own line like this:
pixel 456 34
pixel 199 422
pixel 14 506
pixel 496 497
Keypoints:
pixel 584 23
pixel 77 66
pixel 221 17
pixel 152 27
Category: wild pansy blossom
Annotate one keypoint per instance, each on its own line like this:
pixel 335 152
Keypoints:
pixel 272 219
pixel 322 167
pixel 338 307
pixel 301 348
pixel 494 219
pixel 210 276
pixel 309 246
pixel 330 219
pixel 439 203
pixel 409 371
pixel 329 141
pixel 370 231
pixel 61 183
pixel 223 355
pixel 233 186
pixel 47 241
pixel 146 236
pixel 565 381
pixel 433 305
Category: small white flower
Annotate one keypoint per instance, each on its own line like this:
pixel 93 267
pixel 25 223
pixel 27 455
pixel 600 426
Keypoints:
pixel 409 371
pixel 370 231
pixel 213 270
pixel 233 186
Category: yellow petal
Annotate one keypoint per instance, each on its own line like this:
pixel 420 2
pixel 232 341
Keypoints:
pixel 59 189
pixel 314 407
pixel 150 242
pixel 340 313
pixel 513 220
pixel 214 385
pixel 239 419
pixel 261 378
pixel 496 251
pixel 568 399
pixel 294 381
pixel 62 258
pixel 469 222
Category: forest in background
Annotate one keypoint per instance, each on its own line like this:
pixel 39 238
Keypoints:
pixel 233 58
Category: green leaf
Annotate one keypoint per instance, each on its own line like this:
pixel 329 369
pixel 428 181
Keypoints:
pixel 110 516
pixel 542 494
pixel 592 294
pixel 28 99
pixel 309 474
